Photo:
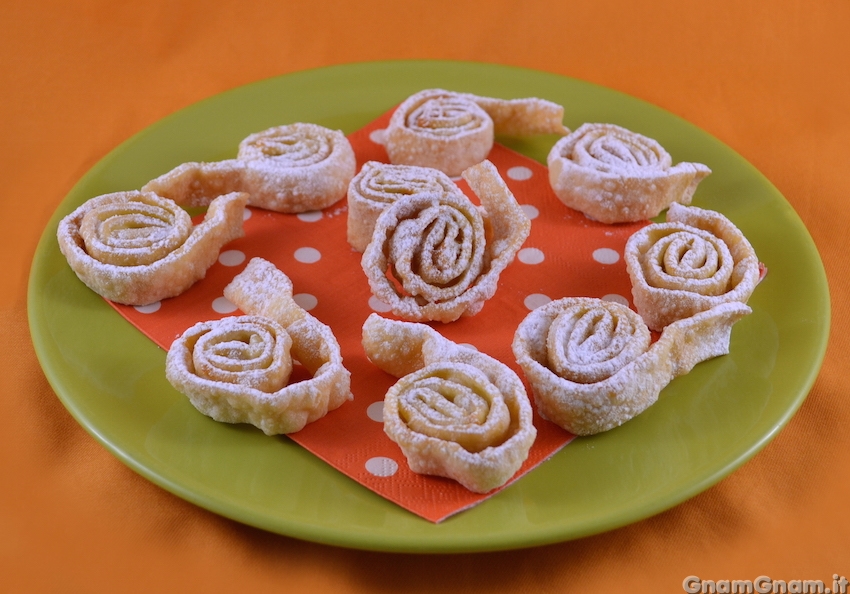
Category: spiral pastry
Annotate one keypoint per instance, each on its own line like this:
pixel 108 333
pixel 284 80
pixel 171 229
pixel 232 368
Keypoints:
pixel 454 412
pixel 136 247
pixel 591 363
pixel 614 175
pixel 453 131
pixel 695 260
pixel 263 290
pixel 590 340
pixel 378 185
pixel 430 258
pixel 235 370
pixel 451 402
pixel 293 168
pixel 247 351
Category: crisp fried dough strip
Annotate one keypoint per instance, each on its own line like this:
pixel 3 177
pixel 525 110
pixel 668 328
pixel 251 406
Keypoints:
pixel 235 370
pixel 291 169
pixel 614 175
pixel 510 225
pixel 696 260
pixel 137 248
pixel 453 131
pixel 455 412
pixel 438 257
pixel 378 185
pixel 261 289
pixel 591 365
pixel 523 117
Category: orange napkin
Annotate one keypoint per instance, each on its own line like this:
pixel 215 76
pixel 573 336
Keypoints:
pixel 565 255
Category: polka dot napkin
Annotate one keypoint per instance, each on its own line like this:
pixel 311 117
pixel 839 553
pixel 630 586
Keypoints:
pixel 565 255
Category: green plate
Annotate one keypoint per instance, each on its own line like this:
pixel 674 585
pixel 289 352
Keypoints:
pixel 705 425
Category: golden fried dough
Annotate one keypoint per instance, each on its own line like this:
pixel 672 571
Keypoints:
pixel 263 290
pixel 591 363
pixel 453 131
pixel 378 185
pixel 614 175
pixel 694 261
pixel 137 248
pixel 290 169
pixel 437 257
pixel 454 412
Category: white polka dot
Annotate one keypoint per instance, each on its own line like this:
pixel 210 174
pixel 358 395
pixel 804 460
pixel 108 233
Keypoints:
pixel 606 256
pixel 530 256
pixel 308 255
pixel 375 411
pixel 378 305
pixel 615 298
pixel 378 136
pixel 520 173
pixel 535 300
pixel 231 258
pixel 305 300
pixel 310 216
pixel 246 214
pixel 223 305
pixel 380 466
pixel 149 308
pixel 530 211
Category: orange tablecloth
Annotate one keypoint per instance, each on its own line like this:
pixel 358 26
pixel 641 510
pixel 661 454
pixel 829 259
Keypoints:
pixel 76 79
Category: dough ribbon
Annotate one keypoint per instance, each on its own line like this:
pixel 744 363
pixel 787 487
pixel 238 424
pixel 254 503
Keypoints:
pixel 454 412
pixel 137 248
pixel 293 168
pixel 591 363
pixel 614 175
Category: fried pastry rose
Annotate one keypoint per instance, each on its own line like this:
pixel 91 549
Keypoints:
pixel 614 175
pixel 454 412
pixel 261 290
pixel 137 248
pixel 591 363
pixel 453 131
pixel 694 261
pixel 290 169
pixel 236 370
pixel 437 257
pixel 378 185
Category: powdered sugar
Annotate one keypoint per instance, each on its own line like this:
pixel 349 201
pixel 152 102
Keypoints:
pixel 293 168
pixel 429 258
pixel 163 272
pixel 453 131
pixel 614 175
pixel 455 412
pixel 696 260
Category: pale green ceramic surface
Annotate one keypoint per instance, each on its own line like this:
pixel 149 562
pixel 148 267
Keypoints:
pixel 704 426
